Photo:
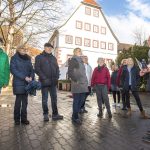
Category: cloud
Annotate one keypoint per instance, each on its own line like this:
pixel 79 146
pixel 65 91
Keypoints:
pixel 140 6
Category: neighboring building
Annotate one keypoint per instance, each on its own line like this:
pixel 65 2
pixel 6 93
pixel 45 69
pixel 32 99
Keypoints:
pixel 123 46
pixel 88 29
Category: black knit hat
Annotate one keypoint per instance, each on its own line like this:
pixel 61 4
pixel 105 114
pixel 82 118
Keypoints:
pixel 48 45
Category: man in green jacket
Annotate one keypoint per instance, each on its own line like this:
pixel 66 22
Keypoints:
pixel 4 67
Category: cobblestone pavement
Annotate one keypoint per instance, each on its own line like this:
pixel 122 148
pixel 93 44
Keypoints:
pixel 119 133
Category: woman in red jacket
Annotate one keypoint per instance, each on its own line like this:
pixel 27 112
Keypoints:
pixel 101 82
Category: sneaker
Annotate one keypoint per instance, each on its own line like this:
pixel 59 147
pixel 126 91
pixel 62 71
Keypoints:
pixel 46 118
pixel 26 122
pixel 57 117
pixel 77 121
pixel 118 105
pixel 82 111
pixel 17 122
pixel 114 105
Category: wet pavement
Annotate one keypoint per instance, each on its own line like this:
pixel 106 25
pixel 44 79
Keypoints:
pixel 119 133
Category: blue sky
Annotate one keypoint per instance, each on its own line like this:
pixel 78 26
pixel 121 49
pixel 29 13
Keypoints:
pixel 126 17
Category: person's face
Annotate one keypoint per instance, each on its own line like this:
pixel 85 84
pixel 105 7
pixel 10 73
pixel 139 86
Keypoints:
pixel 48 49
pixel 101 62
pixel 23 51
pixel 85 60
pixel 113 68
pixel 130 61
pixel 78 52
pixel 125 62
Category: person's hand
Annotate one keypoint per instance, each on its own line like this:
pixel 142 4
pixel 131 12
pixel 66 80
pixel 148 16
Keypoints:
pixel 27 79
pixel 142 73
pixel 30 79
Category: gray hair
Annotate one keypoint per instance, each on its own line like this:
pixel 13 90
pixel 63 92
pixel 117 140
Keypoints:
pixel 100 59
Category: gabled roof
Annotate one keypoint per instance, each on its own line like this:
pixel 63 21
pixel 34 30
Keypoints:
pixel 90 2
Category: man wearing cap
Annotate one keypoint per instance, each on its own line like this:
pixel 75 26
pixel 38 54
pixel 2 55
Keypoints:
pixel 4 67
pixel 46 67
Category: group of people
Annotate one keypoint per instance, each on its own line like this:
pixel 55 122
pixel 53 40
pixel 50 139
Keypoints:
pixel 124 79
pixel 83 82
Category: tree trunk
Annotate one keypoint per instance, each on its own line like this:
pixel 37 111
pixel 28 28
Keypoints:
pixel 12 22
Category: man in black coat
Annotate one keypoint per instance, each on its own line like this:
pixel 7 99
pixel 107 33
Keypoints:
pixel 46 67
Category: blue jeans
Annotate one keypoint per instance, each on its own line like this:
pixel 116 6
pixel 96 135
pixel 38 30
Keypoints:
pixel 78 99
pixel 53 95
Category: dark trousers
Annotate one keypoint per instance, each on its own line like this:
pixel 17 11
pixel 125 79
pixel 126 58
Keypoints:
pixel 86 95
pixel 114 96
pixel 78 99
pixel 20 108
pixel 53 94
pixel 102 95
pixel 124 98
pixel 136 96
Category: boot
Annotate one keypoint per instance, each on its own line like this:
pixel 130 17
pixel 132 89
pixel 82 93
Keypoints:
pixel 144 116
pixel 129 112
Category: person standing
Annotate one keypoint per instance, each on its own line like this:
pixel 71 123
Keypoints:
pixel 23 73
pixel 123 94
pixel 4 67
pixel 101 82
pixel 79 83
pixel 88 70
pixel 130 79
pixel 46 67
pixel 114 88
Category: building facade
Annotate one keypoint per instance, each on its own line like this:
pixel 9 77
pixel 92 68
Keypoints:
pixel 88 29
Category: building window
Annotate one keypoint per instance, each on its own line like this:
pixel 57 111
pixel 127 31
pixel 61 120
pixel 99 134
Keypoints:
pixel 96 13
pixel 69 39
pixel 103 45
pixel 103 30
pixel 78 41
pixel 95 44
pixel 87 26
pixel 95 28
pixel 110 46
pixel 87 42
pixel 78 24
pixel 87 11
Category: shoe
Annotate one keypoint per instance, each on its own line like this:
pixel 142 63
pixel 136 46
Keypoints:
pixel 77 121
pixel 82 111
pixel 46 118
pixel 144 116
pixel 85 111
pixel 110 115
pixel 17 122
pixel 100 114
pixel 26 122
pixel 118 105
pixel 129 113
pixel 114 105
pixel 57 117
pixel 146 139
pixel 124 108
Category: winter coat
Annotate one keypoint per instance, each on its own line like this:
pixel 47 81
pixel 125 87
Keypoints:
pixel 114 86
pixel 20 68
pixel 77 74
pixel 4 69
pixel 101 76
pixel 46 67
pixel 135 79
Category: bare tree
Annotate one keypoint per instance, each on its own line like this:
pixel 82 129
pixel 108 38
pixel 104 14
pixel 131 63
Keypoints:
pixel 139 35
pixel 32 18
